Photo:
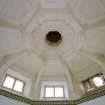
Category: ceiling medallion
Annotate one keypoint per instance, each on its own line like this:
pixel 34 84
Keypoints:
pixel 53 38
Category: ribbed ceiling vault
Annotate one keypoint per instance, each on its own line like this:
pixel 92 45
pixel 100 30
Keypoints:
pixel 24 25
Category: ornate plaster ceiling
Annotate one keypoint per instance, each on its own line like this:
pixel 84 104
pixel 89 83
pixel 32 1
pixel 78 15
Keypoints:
pixel 25 23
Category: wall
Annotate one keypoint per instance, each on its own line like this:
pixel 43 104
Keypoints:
pixel 97 101
pixel 8 101
pixel 96 98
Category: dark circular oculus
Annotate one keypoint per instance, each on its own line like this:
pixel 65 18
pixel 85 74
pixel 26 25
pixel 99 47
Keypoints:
pixel 53 37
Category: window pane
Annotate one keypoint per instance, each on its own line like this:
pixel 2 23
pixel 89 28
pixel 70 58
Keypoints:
pixel 98 81
pixel 49 92
pixel 59 92
pixel 9 81
pixel 18 86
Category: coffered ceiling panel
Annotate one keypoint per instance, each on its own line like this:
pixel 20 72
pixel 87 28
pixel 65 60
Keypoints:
pixel 55 67
pixel 29 62
pixel 80 62
pixel 95 40
pixel 15 10
pixel 89 11
pixel 10 41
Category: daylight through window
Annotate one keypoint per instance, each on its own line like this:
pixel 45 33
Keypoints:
pixel 54 92
pixel 98 81
pixel 13 84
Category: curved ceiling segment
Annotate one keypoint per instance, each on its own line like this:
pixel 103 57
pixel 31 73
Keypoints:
pixel 80 22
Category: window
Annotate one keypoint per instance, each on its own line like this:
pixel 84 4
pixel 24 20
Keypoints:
pixel 94 82
pixel 54 92
pixel 8 83
pixel 59 92
pixel 13 84
pixel 98 81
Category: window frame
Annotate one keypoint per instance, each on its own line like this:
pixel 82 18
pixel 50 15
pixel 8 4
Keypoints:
pixel 15 79
pixel 54 86
pixel 54 83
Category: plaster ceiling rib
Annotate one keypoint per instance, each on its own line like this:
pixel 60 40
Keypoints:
pixel 85 27
pixel 70 76
pixel 97 58
pixel 78 10
pixel 26 36
pixel 16 11
pixel 70 11
pixel 31 16
pixel 95 25
pixel 10 59
pixel 27 39
pixel 33 87
pixel 37 82
pixel 7 24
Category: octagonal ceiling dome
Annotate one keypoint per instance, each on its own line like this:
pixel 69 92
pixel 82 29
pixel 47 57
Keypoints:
pixel 80 49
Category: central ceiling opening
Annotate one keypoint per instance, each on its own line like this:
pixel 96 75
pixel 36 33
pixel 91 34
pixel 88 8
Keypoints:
pixel 53 38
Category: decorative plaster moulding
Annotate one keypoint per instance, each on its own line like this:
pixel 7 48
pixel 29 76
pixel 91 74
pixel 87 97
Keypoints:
pixel 65 19
pixel 91 95
pixel 84 11
pixel 54 3
pixel 69 38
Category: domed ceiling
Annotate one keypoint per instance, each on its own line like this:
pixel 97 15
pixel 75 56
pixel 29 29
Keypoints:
pixel 80 49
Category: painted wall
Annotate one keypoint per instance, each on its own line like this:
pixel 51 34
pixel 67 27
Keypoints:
pixel 8 101
pixel 97 101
